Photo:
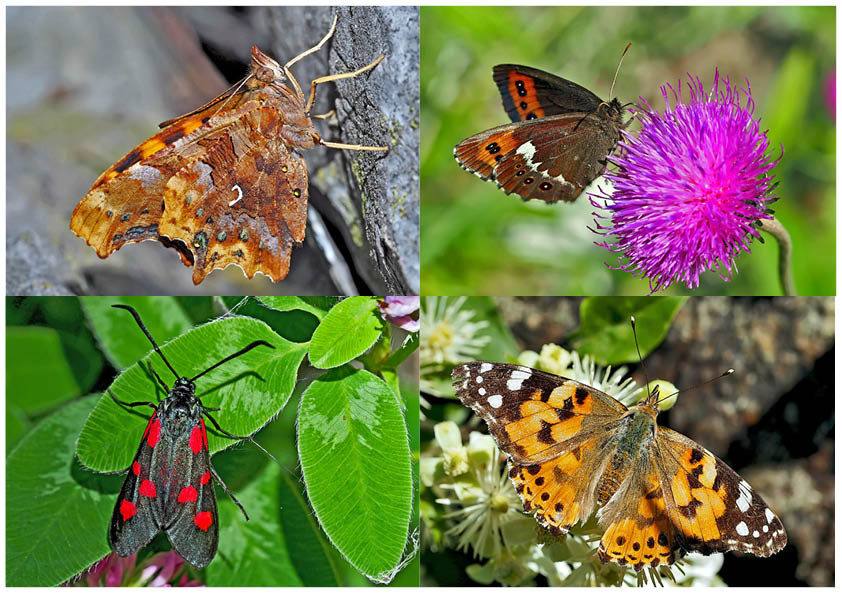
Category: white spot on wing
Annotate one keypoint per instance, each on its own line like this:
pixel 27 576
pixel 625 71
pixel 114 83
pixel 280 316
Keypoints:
pixel 770 516
pixel 742 529
pixel 239 195
pixel 755 534
pixel 485 368
pixel 482 392
pixel 479 379
pixel 495 401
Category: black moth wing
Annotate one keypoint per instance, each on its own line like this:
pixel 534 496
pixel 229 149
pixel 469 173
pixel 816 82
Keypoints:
pixel 192 520
pixel 554 95
pixel 169 487
pixel 132 524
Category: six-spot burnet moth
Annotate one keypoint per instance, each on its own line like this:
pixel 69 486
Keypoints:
pixel 168 487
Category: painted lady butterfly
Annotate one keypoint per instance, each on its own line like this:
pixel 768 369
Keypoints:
pixel 572 447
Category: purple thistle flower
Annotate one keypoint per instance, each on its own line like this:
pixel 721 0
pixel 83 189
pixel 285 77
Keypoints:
pixel 690 188
pixel 399 310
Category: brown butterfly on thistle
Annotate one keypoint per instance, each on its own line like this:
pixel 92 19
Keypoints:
pixel 558 142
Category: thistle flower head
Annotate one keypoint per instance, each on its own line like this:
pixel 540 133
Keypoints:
pixel 691 188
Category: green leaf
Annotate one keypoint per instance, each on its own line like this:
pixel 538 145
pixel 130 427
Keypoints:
pixel 606 333
pixel 253 553
pixel 38 373
pixel 350 328
pixel 311 553
pixel 250 389
pixel 120 338
pixel 293 325
pixel 354 452
pixel 315 305
pixel 57 513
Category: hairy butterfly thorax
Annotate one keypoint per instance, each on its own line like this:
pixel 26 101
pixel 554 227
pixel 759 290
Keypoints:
pixel 224 184
pixel 170 484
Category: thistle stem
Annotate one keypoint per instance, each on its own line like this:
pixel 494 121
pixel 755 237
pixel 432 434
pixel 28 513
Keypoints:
pixel 776 230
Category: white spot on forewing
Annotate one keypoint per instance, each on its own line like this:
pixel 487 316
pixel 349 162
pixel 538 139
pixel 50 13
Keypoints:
pixel 765 528
pixel 239 195
pixel 770 516
pixel 755 534
pixel 514 384
pixel 495 401
pixel 744 501
pixel 482 392
pixel 742 529
pixel 485 368
pixel 479 379
pixel 516 379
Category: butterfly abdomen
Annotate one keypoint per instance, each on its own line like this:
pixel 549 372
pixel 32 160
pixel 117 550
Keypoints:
pixel 631 442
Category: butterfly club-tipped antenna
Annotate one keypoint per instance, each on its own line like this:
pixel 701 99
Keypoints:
pixel 727 372
pixel 637 346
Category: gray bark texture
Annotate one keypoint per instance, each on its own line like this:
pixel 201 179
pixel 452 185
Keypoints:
pixel 86 85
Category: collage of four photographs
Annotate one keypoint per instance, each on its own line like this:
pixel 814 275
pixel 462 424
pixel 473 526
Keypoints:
pixel 264 328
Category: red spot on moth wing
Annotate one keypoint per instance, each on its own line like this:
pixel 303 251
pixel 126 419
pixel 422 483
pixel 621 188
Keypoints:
pixel 154 433
pixel 203 520
pixel 147 488
pixel 127 509
pixel 204 433
pixel 188 494
pixel 196 439
pixel 136 468
pixel 205 478
pixel 149 425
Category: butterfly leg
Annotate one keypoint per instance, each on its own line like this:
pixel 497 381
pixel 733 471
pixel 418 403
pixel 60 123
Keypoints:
pixel 336 77
pixel 323 116
pixel 227 491
pixel 315 48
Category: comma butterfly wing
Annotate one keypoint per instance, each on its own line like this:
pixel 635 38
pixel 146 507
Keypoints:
pixel 224 184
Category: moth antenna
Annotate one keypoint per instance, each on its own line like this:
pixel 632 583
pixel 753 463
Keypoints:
pixel 148 335
pixel 248 347
pixel 727 372
pixel 625 51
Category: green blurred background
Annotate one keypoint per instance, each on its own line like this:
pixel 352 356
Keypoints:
pixel 476 240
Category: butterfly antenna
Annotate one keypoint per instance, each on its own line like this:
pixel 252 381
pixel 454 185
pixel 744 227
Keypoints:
pixel 148 335
pixel 625 51
pixel 636 346
pixel 234 92
pixel 727 372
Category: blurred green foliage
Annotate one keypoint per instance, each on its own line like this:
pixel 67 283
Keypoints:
pixel 477 240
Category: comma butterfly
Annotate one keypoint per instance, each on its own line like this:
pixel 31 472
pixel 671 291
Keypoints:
pixel 572 447
pixel 224 184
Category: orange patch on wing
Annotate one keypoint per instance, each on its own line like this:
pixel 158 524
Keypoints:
pixel 698 506
pixel 481 152
pixel 522 91
pixel 628 544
